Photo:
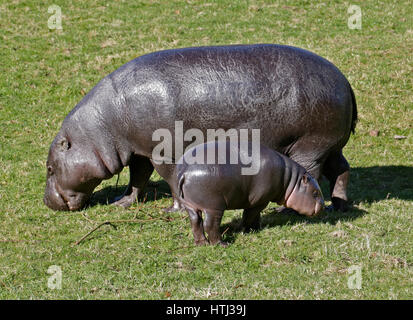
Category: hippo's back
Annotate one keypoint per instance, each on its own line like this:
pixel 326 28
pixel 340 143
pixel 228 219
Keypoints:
pixel 287 91
pixel 300 102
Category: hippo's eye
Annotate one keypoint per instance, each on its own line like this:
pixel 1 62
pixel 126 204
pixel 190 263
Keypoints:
pixel 315 194
pixel 49 170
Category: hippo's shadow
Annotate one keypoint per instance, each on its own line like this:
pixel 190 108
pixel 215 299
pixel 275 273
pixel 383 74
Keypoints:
pixel 372 184
pixel 367 184
pixel 155 190
pixel 273 217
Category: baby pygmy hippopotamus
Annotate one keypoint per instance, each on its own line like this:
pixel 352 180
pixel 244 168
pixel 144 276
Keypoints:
pixel 211 187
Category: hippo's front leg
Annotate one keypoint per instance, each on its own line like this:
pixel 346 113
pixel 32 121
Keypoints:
pixel 140 170
pixel 251 218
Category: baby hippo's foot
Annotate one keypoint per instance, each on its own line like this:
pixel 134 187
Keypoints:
pixel 339 204
pixel 251 218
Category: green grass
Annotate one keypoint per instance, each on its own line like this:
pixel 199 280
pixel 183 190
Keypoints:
pixel 44 73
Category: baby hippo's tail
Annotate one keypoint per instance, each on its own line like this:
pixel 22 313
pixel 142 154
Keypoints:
pixel 180 186
pixel 185 204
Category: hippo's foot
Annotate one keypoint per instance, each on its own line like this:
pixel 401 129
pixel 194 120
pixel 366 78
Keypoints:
pixel 172 209
pixel 125 201
pixel 205 242
pixel 248 229
pixel 175 207
pixel 218 243
pixel 339 204
pixel 285 210
pixel 223 244
pixel 202 242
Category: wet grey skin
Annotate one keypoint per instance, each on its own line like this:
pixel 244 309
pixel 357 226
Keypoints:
pixel 207 189
pixel 302 104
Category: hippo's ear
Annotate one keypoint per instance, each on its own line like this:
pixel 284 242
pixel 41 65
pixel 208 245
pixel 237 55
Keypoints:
pixel 64 144
pixel 305 178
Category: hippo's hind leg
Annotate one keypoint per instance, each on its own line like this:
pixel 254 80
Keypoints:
pixel 212 222
pixel 251 218
pixel 167 172
pixel 140 170
pixel 337 171
pixel 197 226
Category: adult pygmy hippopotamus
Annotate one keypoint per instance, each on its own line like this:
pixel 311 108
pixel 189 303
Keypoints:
pixel 303 105
pixel 220 185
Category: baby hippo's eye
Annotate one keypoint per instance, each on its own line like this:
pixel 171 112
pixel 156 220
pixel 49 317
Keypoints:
pixel 315 193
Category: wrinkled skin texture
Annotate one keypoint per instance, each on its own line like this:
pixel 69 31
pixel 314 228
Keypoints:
pixel 210 189
pixel 302 103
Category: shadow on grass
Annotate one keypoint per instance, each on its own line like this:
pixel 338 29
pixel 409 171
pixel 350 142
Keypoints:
pixel 154 191
pixel 367 184
pixel 371 184
pixel 280 216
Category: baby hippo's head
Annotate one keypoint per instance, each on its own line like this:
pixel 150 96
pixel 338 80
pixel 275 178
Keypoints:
pixel 306 197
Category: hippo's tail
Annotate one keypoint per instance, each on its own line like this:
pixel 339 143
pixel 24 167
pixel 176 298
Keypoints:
pixel 354 112
pixel 180 186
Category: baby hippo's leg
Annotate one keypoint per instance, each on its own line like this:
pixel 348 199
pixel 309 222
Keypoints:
pixel 212 222
pixel 251 218
pixel 197 227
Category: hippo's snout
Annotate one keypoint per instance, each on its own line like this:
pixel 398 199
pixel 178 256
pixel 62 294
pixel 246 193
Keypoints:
pixel 58 200
pixel 54 200
pixel 319 207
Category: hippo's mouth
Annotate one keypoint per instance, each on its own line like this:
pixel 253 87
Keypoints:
pixel 75 202
pixel 64 200
pixel 58 200
pixel 55 202
pixel 62 197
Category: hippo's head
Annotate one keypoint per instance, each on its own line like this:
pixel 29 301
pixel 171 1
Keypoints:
pixel 74 170
pixel 306 197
